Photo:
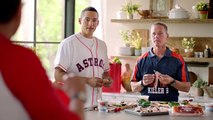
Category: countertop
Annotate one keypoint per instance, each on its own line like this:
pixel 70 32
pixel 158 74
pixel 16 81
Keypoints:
pixel 134 96
pixel 95 115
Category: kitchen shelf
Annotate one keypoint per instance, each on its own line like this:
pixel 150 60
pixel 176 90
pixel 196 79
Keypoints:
pixel 192 59
pixel 186 59
pixel 161 20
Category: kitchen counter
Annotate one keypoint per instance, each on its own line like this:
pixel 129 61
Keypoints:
pixel 134 96
pixel 95 115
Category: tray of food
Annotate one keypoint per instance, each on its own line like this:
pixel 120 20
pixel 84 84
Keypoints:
pixel 149 108
pixel 149 111
pixel 187 110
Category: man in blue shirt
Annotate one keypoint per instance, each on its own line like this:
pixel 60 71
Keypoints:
pixel 160 73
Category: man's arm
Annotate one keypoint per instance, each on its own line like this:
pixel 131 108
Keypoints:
pixel 59 73
pixel 181 86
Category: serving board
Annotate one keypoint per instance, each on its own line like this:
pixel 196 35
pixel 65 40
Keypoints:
pixel 131 111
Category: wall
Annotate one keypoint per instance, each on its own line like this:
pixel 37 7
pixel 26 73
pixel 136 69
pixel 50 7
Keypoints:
pixel 113 39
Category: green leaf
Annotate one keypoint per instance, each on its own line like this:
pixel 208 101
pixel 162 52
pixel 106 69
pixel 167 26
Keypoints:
pixel 199 83
pixel 116 60
pixel 202 6
pixel 144 103
pixel 171 104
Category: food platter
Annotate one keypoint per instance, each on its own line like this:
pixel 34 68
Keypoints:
pixel 150 109
pixel 132 111
pixel 187 110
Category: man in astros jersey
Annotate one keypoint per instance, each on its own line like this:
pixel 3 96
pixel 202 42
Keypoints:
pixel 85 56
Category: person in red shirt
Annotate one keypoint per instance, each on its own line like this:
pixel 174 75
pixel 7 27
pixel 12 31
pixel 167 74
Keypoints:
pixel 25 90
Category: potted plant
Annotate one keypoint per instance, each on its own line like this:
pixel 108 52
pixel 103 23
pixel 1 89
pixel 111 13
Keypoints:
pixel 199 84
pixel 188 45
pixel 128 49
pixel 130 9
pixel 125 37
pixel 203 8
pixel 136 42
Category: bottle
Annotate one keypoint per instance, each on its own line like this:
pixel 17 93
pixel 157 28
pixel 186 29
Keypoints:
pixel 210 52
pixel 126 76
pixel 207 52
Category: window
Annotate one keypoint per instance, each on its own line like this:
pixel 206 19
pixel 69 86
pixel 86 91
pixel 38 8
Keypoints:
pixel 82 4
pixel 43 27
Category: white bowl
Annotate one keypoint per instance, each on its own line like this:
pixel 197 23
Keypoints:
pixel 178 13
pixel 126 51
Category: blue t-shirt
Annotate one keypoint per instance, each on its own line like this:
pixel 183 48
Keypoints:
pixel 171 64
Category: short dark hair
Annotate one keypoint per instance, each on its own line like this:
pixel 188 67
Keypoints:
pixel 8 9
pixel 88 9
pixel 161 24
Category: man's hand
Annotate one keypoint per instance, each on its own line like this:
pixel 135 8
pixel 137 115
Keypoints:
pixel 94 82
pixel 165 79
pixel 107 82
pixel 148 79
